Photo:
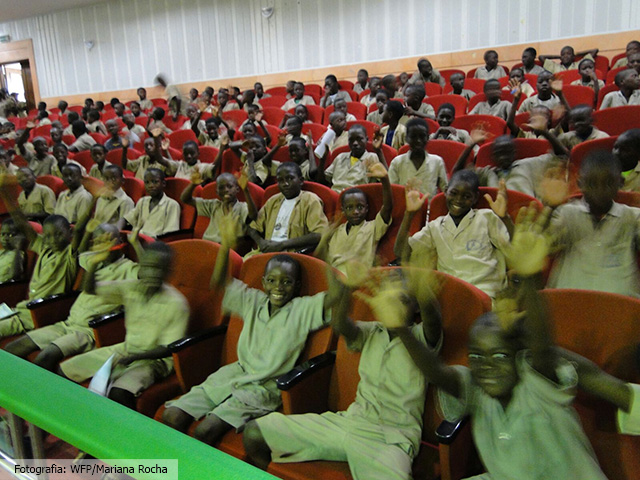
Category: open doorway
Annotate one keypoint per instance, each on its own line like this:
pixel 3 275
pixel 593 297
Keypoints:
pixel 16 79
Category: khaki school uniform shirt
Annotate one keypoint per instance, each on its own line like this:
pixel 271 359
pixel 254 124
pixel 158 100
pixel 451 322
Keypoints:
pixel 359 243
pixel 145 104
pixel 632 180
pixel 629 423
pixel 391 402
pixel 293 102
pixel 425 108
pixel 39 166
pixel 432 173
pixel 7 260
pixel 206 141
pixel 41 199
pixel 212 208
pixel 342 174
pixel 185 170
pixel 590 84
pixel 368 100
pixel 435 77
pixel 83 142
pixel 72 205
pixel 570 139
pixel 466 93
pixel 93 127
pixel 596 257
pixel 268 346
pixel 262 171
pixel 141 164
pixel 137 129
pixel 538 435
pixel 499 109
pixel 399 136
pixel 535 70
pixel 307 216
pixel 230 106
pixel 55 272
pixel 375 117
pixel 340 141
pixel 525 175
pixel 341 94
pixel 88 306
pixel 617 99
pixel 461 136
pixel 113 208
pixel 555 67
pixel 164 218
pixel 485 74
pixel 358 88
pixel 470 251
pixel 55 169
pixel 534 101
pixel 96 173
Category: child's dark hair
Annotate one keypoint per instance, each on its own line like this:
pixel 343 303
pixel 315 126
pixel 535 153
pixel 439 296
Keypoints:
pixel 302 106
pixel 190 143
pixel 93 115
pixel 633 136
pixel 158 113
pixel 162 248
pixel 282 258
pixel 467 176
pixel 253 107
pixel 298 140
pixel 353 191
pixel 62 146
pixel 363 70
pixel 100 146
pixel 72 166
pixel 114 101
pixel 417 87
pixel 295 119
pixel 155 171
pixel 356 126
pixel 333 78
pixel 100 105
pixel 621 75
pixel 73 116
pixel 115 168
pixel 532 51
pixel 395 108
pixel 290 165
pixel 585 60
pixel 487 53
pixel 79 126
pixel 137 103
pixel 492 82
pixel 447 106
pixel 214 120
pixel 59 221
pixel 418 122
pixel 601 160
pixel 456 75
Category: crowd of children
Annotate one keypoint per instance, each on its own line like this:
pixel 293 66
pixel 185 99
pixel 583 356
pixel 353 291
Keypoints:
pixel 81 210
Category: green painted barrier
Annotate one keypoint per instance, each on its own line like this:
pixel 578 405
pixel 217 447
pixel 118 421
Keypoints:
pixel 106 429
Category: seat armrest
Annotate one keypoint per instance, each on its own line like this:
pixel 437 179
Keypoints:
pixel 197 356
pixel 108 329
pixel 305 389
pixel 182 234
pixel 458 458
pixel 51 309
pixel 448 431
pixel 13 292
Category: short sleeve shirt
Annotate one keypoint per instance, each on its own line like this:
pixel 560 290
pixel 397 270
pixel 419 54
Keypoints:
pixel 83 142
pixel 113 208
pixel 7 260
pixel 470 251
pixel 54 272
pixel 343 174
pixel 41 199
pixel 485 74
pixel 399 135
pixel 555 67
pixel 571 139
pixel 499 109
pixel 72 205
pixel 431 173
pixel 163 218
pixel 617 99
pixel 55 169
pixel 141 164
pixel 39 166
pixel 213 209
pixel 534 101
pixel 96 173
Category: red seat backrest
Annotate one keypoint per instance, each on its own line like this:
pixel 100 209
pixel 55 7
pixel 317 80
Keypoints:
pixel 458 101
pixel 580 151
pixel 617 120
pixel 494 125
pixel 174 188
pixel 525 148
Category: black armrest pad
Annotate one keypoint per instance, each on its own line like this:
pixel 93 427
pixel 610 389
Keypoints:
pixel 183 343
pixel 41 302
pixel 13 282
pixel 448 431
pixel 107 318
pixel 302 371
pixel 182 231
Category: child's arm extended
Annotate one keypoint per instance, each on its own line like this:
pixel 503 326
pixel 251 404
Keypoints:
pixel 377 146
pixel 478 136
pixel 24 136
pixel 516 89
pixel 100 252
pixel 20 219
pixel 125 149
pixel 85 216
pixel 243 183
pixel 499 207
pixel 220 276
pixel 378 171
pixel 422 286
pixel 401 249
pixel 187 194
pixel 313 166
pixel 538 123
pixel 282 141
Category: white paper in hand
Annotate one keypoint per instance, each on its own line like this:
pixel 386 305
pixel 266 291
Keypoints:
pixel 100 381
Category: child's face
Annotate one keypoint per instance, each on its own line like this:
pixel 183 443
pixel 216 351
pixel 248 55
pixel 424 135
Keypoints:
pixel 625 152
pixel 142 93
pixel 298 152
pixel 128 120
pixel 330 86
pixel 528 59
pixel 7 232
pixel 301 113
pixel 251 114
pixel 413 97
pixel 417 138
pixel 426 69
pixel 517 75
pixel 112 180
pixel 119 109
pixel 445 117
pixel 212 130
pixel 289 86
pixel 223 97
pixel 72 177
pixel 362 77
pixel 98 155
pixel 457 81
pixel 634 62
pixel 461 197
pixel 599 186
pixel 381 99
pixel 503 152
pixel 258 148
pixel 293 127
pixel 581 120
pixel 40 145
pixel 259 89
pixel 60 153
pixel 357 142
pixel 298 91
pixel 338 123
pixel 374 84
pixel 387 116
pixel 289 182
pixel 280 283
pixel 492 92
pixel 56 135
pixel 544 83
pixel 227 189
pixel 193 94
pixel 112 128
pixel 491 60
pixel 340 106
pixel 154 267
pixel 248 130
pixel 492 362
pixel 149 146
pixel 586 69
pixel 26 180
pixel 630 81
pixel 135 109
pixel 567 56
pixel 191 111
pixel 55 237
pixel 355 208
pixel 154 184
pixel 403 78
pixel 190 154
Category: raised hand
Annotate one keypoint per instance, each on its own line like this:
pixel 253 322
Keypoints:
pixel 413 200
pixel 196 177
pixel 8 180
pixel 377 140
pixel 537 123
pixel 377 170
pixel 529 248
pixel 156 132
pixel 92 225
pixel 422 283
pixel 282 139
pixel 224 141
pixel 556 85
pixel 165 144
pixel 499 206
pixel 259 116
pixel 125 142
pixel 101 248
pixel 388 302
pixel 554 187
pixel 515 87
pixel 479 135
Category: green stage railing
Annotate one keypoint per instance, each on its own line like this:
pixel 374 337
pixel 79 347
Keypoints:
pixel 106 429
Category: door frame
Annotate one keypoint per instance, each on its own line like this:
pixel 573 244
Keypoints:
pixel 17 52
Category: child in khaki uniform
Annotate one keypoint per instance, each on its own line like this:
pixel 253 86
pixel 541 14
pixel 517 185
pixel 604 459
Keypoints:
pixel 156 213
pixel 226 205
pixel 350 168
pixel 357 238
pixel 381 98
pixel 74 201
pixel 276 325
pixel 112 203
pixel 73 335
pixel 393 132
pixel 156 314
pixel 416 108
pixel 154 157
pixel 12 254
pixel 379 434
pixel 99 156
pixel 299 98
pixel 301 153
pixel 36 201
pixel 567 59
pixel 493 105
pixel 191 163
pixel 61 153
pixel 41 161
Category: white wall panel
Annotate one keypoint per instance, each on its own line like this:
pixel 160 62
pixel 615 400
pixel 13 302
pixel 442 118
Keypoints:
pixel 195 40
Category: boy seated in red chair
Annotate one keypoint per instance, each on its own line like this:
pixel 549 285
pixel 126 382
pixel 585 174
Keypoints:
pixel 276 324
